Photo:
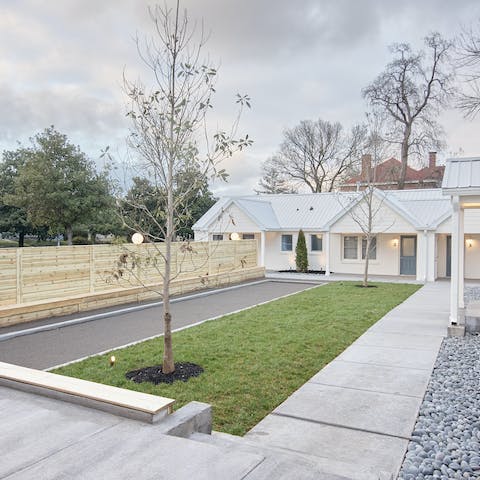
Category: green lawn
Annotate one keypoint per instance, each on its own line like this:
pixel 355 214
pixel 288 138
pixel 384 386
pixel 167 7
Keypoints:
pixel 255 359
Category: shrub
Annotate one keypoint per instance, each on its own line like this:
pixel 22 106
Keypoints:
pixel 301 256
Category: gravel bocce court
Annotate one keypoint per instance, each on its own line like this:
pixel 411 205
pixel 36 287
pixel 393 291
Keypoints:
pixel 446 441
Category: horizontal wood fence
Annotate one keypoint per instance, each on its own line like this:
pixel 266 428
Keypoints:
pixel 35 274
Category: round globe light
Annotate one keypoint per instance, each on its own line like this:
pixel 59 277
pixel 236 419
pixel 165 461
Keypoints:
pixel 137 238
pixel 234 236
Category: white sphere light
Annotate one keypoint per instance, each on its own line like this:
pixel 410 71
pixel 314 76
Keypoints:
pixel 234 236
pixel 137 238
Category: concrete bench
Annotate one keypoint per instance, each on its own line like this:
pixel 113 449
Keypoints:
pixel 118 401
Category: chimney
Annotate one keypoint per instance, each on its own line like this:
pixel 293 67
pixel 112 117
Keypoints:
pixel 432 160
pixel 366 167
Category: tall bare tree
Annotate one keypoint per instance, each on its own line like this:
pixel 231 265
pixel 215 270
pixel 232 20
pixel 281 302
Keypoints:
pixel 169 133
pixel 468 50
pixel 317 154
pixel 272 180
pixel 412 90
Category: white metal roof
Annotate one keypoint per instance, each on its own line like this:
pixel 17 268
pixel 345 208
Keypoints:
pixel 462 175
pixel 423 209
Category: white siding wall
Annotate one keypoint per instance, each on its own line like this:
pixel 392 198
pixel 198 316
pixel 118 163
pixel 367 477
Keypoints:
pixel 201 236
pixel 386 221
pixel 275 259
pixel 387 262
pixel 472 222
pixel 441 256
pixel 472 257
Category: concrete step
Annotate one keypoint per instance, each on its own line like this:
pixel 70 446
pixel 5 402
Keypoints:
pixel 285 464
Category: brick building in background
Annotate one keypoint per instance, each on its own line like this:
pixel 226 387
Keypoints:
pixel 385 175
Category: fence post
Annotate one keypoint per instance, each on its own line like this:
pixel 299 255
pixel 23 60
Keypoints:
pixel 209 246
pixel 92 269
pixel 19 276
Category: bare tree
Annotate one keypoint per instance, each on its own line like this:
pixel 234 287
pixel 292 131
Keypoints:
pixel 468 50
pixel 366 211
pixel 272 180
pixel 317 154
pixel 168 123
pixel 412 90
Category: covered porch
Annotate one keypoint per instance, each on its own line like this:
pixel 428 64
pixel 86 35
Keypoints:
pixel 462 183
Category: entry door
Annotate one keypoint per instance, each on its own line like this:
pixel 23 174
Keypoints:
pixel 408 255
pixel 449 256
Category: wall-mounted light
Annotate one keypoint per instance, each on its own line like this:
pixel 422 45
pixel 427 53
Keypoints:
pixel 395 242
pixel 137 238
pixel 469 243
pixel 234 236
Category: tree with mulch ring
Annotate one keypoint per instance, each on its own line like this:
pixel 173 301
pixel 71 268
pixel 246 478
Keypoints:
pixel 183 371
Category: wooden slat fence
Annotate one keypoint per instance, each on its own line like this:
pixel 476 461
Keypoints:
pixel 41 273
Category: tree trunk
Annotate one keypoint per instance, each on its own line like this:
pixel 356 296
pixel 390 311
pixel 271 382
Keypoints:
pixel 21 239
pixel 168 362
pixel 69 230
pixel 404 156
pixel 367 258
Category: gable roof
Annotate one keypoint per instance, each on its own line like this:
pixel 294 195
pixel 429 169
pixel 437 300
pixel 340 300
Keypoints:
pixel 423 209
pixel 462 175
pixel 389 172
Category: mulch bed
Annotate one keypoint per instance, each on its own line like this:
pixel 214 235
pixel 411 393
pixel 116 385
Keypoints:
pixel 183 371
pixel 317 272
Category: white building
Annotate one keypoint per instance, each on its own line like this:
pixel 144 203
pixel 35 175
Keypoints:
pixel 413 231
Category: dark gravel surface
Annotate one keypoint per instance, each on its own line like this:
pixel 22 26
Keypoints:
pixel 446 441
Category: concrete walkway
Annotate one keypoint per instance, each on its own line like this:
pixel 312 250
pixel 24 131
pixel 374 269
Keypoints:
pixel 357 413
pixel 339 277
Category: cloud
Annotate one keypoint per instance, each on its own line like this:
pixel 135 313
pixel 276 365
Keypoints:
pixel 62 62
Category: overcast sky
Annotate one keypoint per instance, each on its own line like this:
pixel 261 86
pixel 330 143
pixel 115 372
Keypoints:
pixel 61 63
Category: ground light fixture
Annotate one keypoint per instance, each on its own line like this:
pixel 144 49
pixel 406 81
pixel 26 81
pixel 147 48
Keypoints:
pixel 112 360
pixel 137 238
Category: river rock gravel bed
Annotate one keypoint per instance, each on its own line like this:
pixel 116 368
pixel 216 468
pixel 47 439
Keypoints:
pixel 446 441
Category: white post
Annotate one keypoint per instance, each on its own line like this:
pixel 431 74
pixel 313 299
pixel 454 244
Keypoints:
pixel 455 254
pixel 262 249
pixel 327 253
pixel 461 256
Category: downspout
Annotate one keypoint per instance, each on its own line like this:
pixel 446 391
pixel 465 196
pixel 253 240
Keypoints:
pixel 425 235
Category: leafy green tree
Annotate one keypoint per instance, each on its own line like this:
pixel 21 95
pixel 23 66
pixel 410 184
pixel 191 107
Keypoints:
pixel 13 219
pixel 301 256
pixel 58 186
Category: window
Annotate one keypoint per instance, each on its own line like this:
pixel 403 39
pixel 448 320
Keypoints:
pixel 248 236
pixel 217 238
pixel 373 248
pixel 350 248
pixel 316 243
pixel 287 241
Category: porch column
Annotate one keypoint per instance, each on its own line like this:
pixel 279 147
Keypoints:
pixel 461 256
pixel 327 253
pixel 455 254
pixel 262 248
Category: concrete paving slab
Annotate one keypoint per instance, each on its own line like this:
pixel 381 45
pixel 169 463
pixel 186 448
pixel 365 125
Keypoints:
pixel 361 450
pixel 374 378
pixel 358 409
pixel 42 438
pixel 412 327
pixel 379 338
pixel 390 357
